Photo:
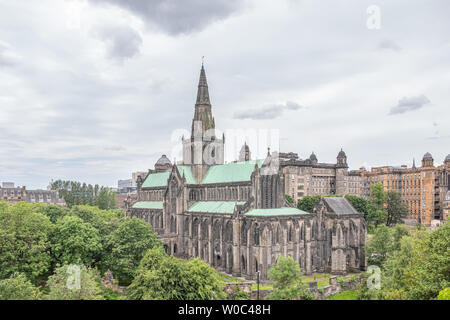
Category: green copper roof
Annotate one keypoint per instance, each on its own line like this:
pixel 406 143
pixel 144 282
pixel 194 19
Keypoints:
pixel 214 206
pixel 156 180
pixel 148 205
pixel 231 172
pixel 187 174
pixel 275 212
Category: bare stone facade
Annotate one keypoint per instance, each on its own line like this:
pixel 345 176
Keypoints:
pixel 423 189
pixel 234 216
pixel 308 177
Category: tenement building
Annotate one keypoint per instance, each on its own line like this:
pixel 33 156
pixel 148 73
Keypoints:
pixel 423 189
pixel 12 194
pixel 309 177
pixel 234 215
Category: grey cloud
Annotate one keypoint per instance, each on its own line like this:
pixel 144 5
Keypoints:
pixel 175 18
pixel 407 104
pixel 267 112
pixel 123 42
pixel 7 57
pixel 390 45
pixel 437 137
pixel 293 105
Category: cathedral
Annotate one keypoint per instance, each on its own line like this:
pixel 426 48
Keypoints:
pixel 234 215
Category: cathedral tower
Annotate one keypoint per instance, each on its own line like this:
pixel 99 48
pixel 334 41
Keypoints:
pixel 203 149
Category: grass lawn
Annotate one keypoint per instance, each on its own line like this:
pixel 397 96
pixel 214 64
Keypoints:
pixel 228 278
pixel 344 295
pixel 262 287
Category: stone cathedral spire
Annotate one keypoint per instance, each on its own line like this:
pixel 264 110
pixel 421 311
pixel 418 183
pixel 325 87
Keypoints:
pixel 203 149
pixel 203 115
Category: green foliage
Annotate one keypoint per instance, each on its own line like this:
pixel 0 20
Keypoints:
pixel 444 294
pixel 307 203
pixel 287 283
pixel 106 199
pixel 397 233
pixel 288 198
pixel 238 294
pixel 379 246
pixel 395 209
pixel 110 294
pixel 377 195
pixel 63 284
pixel 53 212
pixel 360 204
pixel 105 221
pixel 344 295
pixel 416 267
pixel 17 287
pixel 75 241
pixel 24 242
pixel 126 246
pixel 431 264
pixel 77 193
pixel 162 277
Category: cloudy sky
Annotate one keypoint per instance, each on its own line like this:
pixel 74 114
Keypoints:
pixel 93 90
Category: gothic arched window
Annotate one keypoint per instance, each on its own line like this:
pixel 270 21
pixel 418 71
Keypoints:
pixel 256 235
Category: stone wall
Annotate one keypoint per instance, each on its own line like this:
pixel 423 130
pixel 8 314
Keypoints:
pixel 334 287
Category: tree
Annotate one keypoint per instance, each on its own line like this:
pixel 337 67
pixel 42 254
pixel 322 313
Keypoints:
pixel 379 246
pixel 75 241
pixel 417 269
pixel 24 242
pixel 53 212
pixel 395 208
pixel 72 282
pixel 376 214
pixel 360 204
pixel 307 203
pixel 431 264
pixel 287 283
pixel 238 294
pixel 378 195
pixel 77 193
pixel 162 277
pixel 106 199
pixel 126 247
pixel 151 261
pixel 398 232
pixel 288 198
pixel 18 287
pixel 444 294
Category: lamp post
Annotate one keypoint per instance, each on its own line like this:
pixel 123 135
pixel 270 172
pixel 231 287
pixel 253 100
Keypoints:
pixel 258 273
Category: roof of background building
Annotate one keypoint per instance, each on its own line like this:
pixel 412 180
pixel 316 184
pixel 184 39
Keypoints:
pixel 186 170
pixel 163 160
pixel 148 205
pixel 341 153
pixel 231 172
pixel 339 205
pixel 156 180
pixel 275 212
pixel 427 156
pixel 215 206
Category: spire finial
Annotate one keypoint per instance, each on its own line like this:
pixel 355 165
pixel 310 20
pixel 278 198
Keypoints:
pixel 203 60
